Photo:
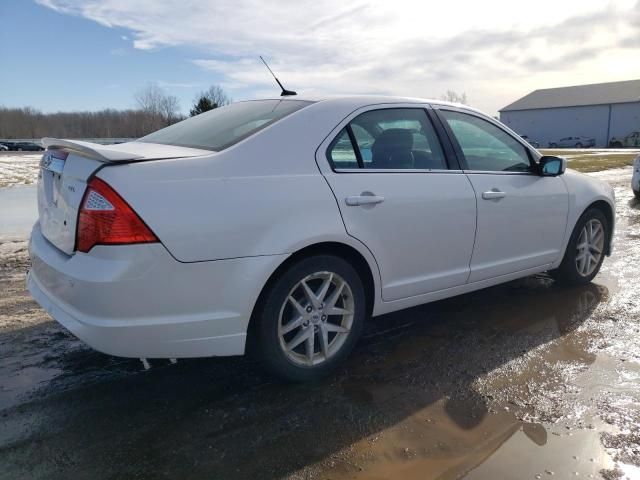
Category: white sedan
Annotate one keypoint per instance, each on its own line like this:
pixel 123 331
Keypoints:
pixel 574 142
pixel 279 226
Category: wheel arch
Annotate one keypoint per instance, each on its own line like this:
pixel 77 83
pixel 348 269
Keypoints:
pixel 356 258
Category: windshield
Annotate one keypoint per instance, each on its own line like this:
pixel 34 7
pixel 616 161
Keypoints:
pixel 221 127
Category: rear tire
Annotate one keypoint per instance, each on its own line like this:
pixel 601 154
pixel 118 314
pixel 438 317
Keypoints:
pixel 585 250
pixel 305 333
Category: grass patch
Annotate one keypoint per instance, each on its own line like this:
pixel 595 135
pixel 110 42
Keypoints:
pixel 593 160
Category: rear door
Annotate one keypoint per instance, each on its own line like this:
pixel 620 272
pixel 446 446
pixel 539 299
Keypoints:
pixel 522 216
pixel 400 197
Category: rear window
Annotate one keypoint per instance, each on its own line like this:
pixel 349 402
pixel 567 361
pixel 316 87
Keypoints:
pixel 221 127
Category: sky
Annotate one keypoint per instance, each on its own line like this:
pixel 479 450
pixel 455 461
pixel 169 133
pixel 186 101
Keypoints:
pixel 61 55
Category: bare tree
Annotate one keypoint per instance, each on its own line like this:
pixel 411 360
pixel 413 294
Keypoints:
pixel 452 96
pixel 160 108
pixel 149 99
pixel 217 96
pixel 169 109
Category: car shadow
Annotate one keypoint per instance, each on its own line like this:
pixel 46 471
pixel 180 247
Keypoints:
pixel 105 417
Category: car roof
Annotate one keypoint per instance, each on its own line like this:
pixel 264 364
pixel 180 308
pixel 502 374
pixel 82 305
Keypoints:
pixel 358 101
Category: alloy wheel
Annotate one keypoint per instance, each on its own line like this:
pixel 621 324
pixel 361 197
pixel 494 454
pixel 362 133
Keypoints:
pixel 590 247
pixel 316 318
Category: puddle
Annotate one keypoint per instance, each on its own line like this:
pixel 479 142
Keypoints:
pixel 566 455
pixel 427 445
pixel 18 212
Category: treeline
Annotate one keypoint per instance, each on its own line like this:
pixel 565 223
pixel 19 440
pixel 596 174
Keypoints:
pixel 156 109
pixel 31 123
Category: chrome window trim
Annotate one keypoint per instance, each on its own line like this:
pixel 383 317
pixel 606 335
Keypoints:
pixel 394 170
pixel 499 172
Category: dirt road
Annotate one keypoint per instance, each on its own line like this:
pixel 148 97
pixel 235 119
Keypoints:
pixel 524 380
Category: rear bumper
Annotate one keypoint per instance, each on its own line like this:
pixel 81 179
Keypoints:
pixel 138 301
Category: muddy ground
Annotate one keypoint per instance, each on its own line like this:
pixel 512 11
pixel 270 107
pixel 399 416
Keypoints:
pixel 524 380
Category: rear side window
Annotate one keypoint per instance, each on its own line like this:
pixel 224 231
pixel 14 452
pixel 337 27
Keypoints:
pixel 393 138
pixel 222 127
pixel 341 152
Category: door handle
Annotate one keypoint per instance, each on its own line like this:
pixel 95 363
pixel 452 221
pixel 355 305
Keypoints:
pixel 357 200
pixel 494 194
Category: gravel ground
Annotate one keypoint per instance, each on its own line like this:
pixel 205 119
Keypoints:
pixel 524 380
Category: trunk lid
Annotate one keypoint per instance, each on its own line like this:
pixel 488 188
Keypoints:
pixel 65 168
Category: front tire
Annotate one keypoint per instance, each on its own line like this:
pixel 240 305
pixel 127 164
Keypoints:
pixel 578 145
pixel 311 318
pixel 585 250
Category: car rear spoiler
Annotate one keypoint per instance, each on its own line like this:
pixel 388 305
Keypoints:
pixel 103 153
pixel 125 152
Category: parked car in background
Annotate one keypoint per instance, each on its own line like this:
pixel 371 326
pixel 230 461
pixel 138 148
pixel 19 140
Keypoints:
pixel 574 142
pixel 279 226
pixel 533 143
pixel 635 179
pixel 631 140
pixel 8 145
pixel 26 146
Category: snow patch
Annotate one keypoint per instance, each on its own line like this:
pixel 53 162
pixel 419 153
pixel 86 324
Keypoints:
pixel 19 169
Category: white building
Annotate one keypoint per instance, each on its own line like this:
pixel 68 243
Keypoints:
pixel 601 111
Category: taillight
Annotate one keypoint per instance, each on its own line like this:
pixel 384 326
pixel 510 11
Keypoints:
pixel 106 219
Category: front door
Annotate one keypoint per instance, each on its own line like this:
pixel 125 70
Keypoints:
pixel 398 196
pixel 522 216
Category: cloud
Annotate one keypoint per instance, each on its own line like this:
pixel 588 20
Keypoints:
pixel 493 50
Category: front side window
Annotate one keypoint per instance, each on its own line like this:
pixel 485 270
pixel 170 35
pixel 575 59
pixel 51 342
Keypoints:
pixel 222 127
pixel 396 138
pixel 485 146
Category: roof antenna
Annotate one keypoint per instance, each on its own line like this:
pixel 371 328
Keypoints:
pixel 285 92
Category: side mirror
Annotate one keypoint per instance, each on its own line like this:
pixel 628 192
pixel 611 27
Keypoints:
pixel 551 166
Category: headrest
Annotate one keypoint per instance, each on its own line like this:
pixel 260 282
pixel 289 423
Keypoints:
pixel 394 142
